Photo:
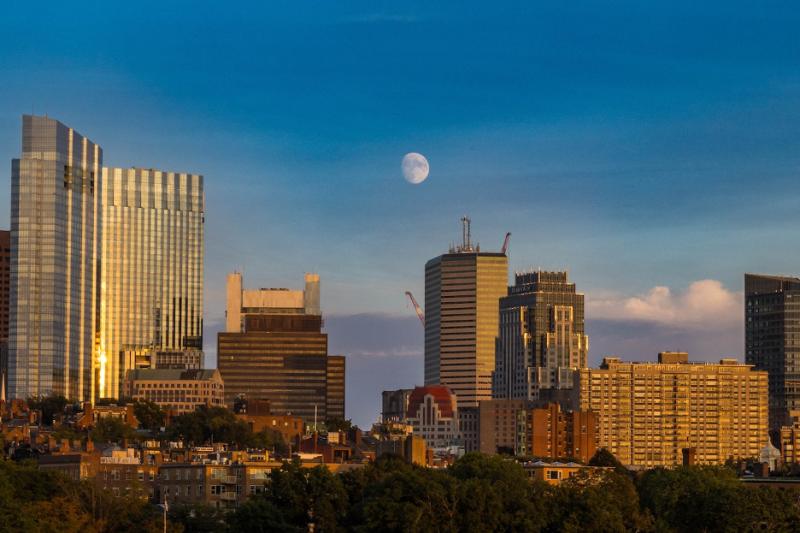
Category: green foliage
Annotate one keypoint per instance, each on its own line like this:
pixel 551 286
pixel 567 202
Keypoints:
pixel 603 457
pixel 338 424
pixel 149 414
pixel 50 406
pixel 221 425
pixel 713 499
pixel 111 429
pixel 36 501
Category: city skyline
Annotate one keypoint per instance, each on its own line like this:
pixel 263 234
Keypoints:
pixel 643 167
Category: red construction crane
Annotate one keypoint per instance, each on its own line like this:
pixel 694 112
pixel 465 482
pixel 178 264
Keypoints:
pixel 417 308
pixel 504 249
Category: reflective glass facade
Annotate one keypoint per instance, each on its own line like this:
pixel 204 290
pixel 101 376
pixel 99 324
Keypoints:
pixel 151 267
pixel 54 187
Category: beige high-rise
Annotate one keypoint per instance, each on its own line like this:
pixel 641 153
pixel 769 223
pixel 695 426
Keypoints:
pixel 462 298
pixel 151 267
pixel 649 412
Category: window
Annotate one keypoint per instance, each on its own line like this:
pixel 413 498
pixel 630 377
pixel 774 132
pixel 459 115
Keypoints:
pixel 553 474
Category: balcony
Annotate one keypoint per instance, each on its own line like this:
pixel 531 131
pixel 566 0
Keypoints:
pixel 229 480
pixel 228 496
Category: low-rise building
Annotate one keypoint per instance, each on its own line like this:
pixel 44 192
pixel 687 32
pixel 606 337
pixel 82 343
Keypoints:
pixel 178 391
pixel 433 413
pixel 555 473
pixel 92 413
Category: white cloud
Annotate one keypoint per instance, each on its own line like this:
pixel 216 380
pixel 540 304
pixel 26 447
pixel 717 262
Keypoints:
pixel 704 304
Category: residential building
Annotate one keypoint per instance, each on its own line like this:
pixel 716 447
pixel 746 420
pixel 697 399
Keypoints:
pixel 647 413
pixel 54 192
pixel 541 340
pixel 772 341
pixel 258 415
pixel 462 294
pixel 433 413
pixel 175 390
pixel 394 405
pixel 275 349
pixel 498 425
pixel 554 473
pixel 552 433
pixel 790 443
pixel 151 267
pixel 92 413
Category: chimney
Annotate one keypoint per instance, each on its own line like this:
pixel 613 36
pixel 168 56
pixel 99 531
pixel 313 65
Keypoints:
pixel 64 445
pixel 89 445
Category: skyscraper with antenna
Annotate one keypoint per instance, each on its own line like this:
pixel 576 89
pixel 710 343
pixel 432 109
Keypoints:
pixel 462 293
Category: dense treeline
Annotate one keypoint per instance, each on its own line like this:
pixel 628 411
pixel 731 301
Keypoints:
pixel 42 502
pixel 481 493
pixel 478 493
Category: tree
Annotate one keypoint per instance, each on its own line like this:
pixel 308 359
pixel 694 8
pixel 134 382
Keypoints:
pixel 111 429
pixel 149 414
pixel 50 406
pixel 338 424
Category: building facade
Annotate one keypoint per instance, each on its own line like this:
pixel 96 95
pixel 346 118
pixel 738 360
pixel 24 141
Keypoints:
pixel 772 341
pixel 274 349
pixel 553 433
pixel 175 390
pixel 498 425
pixel 648 413
pixel 55 185
pixel 5 287
pixel 394 405
pixel 542 339
pixel 433 413
pixel 462 293
pixel 151 267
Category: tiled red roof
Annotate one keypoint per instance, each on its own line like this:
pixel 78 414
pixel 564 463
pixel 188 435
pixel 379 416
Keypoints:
pixel 442 395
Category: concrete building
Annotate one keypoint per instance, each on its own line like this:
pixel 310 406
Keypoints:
pixel 542 339
pixel 498 425
pixel 552 433
pixel 258 415
pixel 772 341
pixel 433 413
pixel 175 390
pixel 274 349
pixel 54 192
pixel 151 267
pixel 462 293
pixel 647 413
pixel 394 405
pixel 149 357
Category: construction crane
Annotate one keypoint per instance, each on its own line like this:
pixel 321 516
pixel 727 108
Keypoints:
pixel 417 308
pixel 504 249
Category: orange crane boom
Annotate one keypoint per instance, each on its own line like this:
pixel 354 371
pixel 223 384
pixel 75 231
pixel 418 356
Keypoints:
pixel 417 308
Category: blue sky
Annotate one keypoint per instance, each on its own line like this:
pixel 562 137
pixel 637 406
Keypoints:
pixel 637 144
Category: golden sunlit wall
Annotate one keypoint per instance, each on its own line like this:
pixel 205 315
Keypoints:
pixel 462 301
pixel 151 267
pixel 52 293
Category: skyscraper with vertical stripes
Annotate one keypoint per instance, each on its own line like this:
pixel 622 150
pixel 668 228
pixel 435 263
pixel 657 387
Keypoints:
pixel 54 192
pixel 151 268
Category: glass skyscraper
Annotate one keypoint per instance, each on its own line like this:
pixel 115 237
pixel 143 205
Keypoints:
pixel 151 267
pixel 54 188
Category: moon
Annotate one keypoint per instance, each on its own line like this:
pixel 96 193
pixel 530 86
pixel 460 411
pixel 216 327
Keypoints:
pixel 415 168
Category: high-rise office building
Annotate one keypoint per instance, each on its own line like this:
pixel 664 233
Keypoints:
pixel 541 339
pixel 649 413
pixel 772 341
pixel 151 268
pixel 5 284
pixel 462 295
pixel 54 190
pixel 274 349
